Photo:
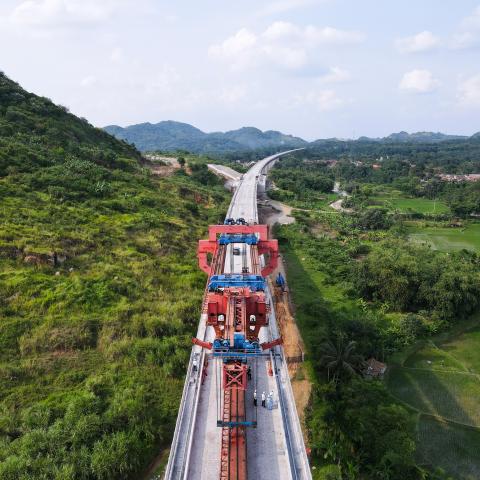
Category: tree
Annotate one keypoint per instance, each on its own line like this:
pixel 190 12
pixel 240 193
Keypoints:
pixel 181 161
pixel 374 219
pixel 339 359
pixel 366 432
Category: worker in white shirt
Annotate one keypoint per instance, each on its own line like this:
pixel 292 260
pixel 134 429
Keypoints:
pixel 270 401
pixel 264 397
pixel 255 398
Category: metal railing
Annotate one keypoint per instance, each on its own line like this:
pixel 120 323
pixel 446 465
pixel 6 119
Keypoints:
pixel 298 459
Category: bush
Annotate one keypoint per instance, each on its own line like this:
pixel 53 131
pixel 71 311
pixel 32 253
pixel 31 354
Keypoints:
pixel 374 219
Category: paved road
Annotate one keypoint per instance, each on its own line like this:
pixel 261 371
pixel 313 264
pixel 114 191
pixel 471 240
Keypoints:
pixel 244 201
pixel 225 172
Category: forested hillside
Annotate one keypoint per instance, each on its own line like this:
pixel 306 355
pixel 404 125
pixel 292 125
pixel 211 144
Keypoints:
pixel 449 156
pixel 172 136
pixel 387 271
pixel 99 294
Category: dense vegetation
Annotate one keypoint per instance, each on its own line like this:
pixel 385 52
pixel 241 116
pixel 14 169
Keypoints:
pixel 410 278
pixel 249 143
pixel 306 184
pixel 99 294
pixel 171 136
pixel 452 156
pixel 363 290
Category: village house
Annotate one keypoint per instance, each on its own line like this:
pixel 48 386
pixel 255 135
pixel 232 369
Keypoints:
pixel 374 368
pixel 471 177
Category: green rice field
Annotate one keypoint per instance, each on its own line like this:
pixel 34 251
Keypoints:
pixel 448 239
pixel 396 201
pixel 441 381
pixel 449 394
pixel 452 448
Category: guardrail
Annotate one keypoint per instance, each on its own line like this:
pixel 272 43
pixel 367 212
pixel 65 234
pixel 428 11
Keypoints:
pixel 177 467
pixel 298 460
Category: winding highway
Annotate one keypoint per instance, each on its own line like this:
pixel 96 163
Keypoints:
pixel 275 449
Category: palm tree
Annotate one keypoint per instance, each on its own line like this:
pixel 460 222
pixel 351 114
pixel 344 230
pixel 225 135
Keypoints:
pixel 340 359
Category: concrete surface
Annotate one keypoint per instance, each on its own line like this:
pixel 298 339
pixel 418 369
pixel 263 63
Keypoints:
pixel 225 172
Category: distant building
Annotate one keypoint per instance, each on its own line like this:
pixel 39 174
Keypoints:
pixel 331 163
pixel 376 166
pixel 448 177
pixel 374 368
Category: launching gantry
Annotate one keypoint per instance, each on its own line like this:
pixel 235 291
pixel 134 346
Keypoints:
pixel 237 309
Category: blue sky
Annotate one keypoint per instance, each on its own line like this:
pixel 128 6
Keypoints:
pixel 313 68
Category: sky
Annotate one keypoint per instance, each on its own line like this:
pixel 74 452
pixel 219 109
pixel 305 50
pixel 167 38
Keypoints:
pixel 311 68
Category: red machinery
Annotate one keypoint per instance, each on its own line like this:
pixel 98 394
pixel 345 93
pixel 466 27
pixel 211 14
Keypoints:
pixel 212 247
pixel 247 309
pixel 236 308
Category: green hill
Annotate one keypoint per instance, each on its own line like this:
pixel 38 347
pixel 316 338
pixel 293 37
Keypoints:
pixel 99 294
pixel 172 136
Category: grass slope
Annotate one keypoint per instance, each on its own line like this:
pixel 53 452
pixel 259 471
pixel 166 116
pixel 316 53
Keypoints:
pixel 99 295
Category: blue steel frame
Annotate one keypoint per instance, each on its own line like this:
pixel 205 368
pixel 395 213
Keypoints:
pixel 254 282
pixel 249 239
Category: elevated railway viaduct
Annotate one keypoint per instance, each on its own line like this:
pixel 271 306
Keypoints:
pixel 220 433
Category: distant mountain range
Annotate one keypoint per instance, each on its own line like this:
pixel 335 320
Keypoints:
pixel 418 137
pixel 172 136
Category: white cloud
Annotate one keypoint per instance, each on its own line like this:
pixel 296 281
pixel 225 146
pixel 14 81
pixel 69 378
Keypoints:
pixel 88 81
pixel 162 82
pixel 117 55
pixel 282 6
pixel 323 100
pixel 238 49
pixel 464 40
pixel 335 75
pixel 233 95
pixel 61 12
pixel 311 35
pixel 332 36
pixel 473 20
pixel 469 92
pixel 280 30
pixel 419 81
pixel 285 57
pixel 282 44
pixel 421 42
pixel 469 34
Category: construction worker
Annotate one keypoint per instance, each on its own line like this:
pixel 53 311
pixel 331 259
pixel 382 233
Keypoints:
pixel 263 399
pixel 195 365
pixel 249 373
pixel 270 401
pixel 255 398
